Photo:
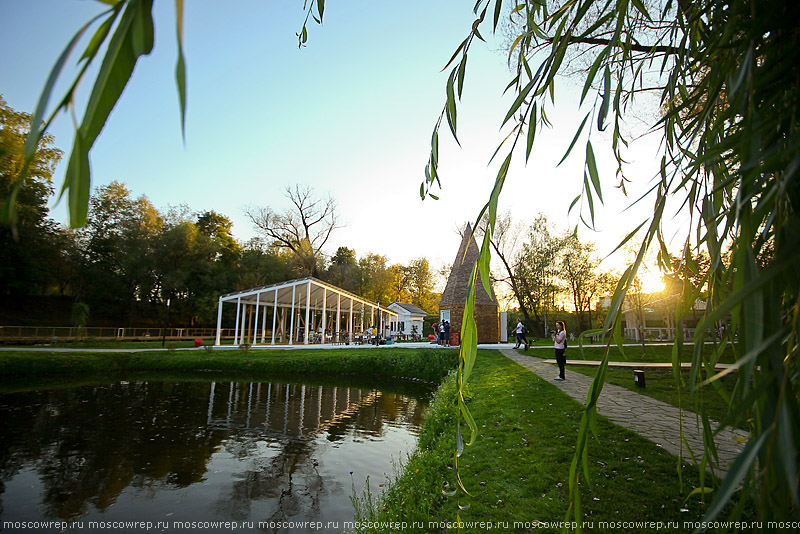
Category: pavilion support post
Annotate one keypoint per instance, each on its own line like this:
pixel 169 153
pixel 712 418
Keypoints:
pixel 291 319
pixel 308 312
pixel 338 315
pixel 243 324
pixel 350 323
pixel 236 326
pixel 264 324
pixel 274 316
pixel 219 322
pixel 255 318
pixel 324 313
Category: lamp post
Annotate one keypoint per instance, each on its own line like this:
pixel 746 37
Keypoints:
pixel 166 325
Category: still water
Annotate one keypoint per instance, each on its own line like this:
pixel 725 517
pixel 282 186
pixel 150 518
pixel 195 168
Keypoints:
pixel 167 452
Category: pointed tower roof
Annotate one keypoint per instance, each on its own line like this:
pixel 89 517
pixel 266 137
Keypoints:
pixel 455 292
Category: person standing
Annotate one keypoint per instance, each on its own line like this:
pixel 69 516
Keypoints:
pixel 436 331
pixel 520 332
pixel 560 344
pixel 446 338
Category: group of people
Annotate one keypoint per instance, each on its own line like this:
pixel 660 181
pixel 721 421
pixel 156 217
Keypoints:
pixel 559 336
pixel 442 332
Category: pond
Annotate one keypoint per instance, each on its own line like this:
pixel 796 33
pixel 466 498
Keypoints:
pixel 175 454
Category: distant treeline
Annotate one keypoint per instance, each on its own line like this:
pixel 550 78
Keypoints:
pixel 130 258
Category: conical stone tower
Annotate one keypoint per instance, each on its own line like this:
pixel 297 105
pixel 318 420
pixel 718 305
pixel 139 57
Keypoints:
pixel 454 297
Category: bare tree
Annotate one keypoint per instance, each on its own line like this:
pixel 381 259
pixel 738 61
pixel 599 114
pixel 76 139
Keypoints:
pixel 302 229
pixel 504 243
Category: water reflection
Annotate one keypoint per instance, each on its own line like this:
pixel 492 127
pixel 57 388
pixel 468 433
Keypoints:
pixel 189 451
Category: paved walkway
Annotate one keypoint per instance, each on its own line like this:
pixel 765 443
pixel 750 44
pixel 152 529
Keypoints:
pixel 655 420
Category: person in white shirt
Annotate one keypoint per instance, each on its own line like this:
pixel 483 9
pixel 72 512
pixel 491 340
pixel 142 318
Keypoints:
pixel 520 332
pixel 560 344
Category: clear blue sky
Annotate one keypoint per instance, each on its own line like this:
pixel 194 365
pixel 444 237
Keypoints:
pixel 351 114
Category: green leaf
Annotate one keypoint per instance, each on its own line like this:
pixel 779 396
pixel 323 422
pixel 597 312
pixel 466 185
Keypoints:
pixel 462 70
pixel 735 475
pixel 592 73
pixel 591 163
pixel 99 37
pixel 532 120
pixel 572 205
pixel 642 9
pixel 589 197
pixel 132 38
pixel 498 4
pixel 574 139
pixel 34 135
pixel 460 47
pixel 78 182
pixel 606 100
pixel 180 67
pixel 320 8
pixel 518 102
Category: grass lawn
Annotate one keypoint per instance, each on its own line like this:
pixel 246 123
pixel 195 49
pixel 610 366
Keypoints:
pixel 633 353
pixel 106 344
pixel 429 365
pixel 518 468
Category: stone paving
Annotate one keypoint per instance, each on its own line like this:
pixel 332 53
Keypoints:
pixel 655 420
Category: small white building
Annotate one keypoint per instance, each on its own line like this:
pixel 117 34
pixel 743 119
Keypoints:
pixel 408 316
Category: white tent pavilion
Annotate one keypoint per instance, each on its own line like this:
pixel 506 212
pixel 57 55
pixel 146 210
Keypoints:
pixel 302 311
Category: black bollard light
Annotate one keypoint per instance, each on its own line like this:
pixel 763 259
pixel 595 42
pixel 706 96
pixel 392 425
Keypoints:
pixel 638 378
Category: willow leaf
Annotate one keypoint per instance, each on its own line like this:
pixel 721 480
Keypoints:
pixel 591 163
pixel 574 139
pixel 498 5
pixel 459 49
pixel 180 67
pixel 132 38
pixel 518 102
pixel 532 120
pixel 32 141
pixel 736 474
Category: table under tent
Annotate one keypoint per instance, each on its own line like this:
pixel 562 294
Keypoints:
pixel 304 311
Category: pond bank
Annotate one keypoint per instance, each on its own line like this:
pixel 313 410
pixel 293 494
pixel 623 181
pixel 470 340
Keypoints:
pixel 428 365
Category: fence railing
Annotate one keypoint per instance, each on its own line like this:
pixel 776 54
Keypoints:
pixel 23 334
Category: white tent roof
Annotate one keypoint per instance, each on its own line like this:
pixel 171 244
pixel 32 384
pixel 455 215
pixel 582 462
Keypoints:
pixel 266 295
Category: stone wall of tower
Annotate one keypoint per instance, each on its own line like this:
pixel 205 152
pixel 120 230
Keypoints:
pixel 454 297
pixel 487 321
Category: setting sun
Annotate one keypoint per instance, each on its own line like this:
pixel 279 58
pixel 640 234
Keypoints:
pixel 651 282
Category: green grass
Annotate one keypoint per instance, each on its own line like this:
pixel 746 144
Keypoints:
pixel 633 353
pixel 110 344
pixel 519 466
pixel 429 365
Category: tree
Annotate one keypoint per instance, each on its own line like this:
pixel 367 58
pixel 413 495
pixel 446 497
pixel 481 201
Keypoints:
pixel 219 228
pixel 28 243
pixel 118 245
pixel 343 270
pixel 377 279
pixel 303 229
pixel 504 244
pixel 421 285
pixel 536 273
pixel 578 268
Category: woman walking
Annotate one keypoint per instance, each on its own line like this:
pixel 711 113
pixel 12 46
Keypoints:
pixel 560 344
